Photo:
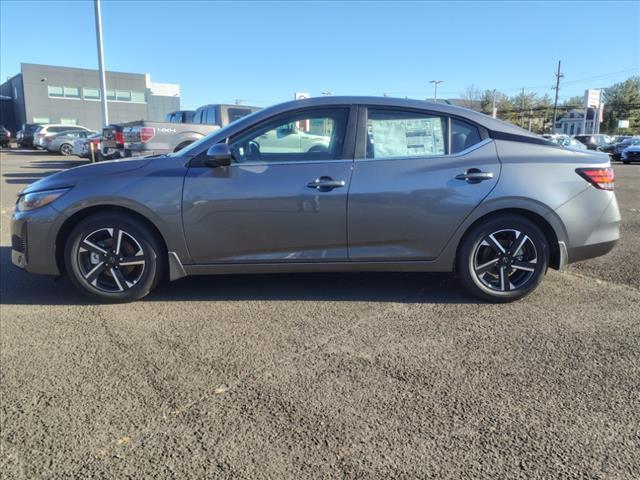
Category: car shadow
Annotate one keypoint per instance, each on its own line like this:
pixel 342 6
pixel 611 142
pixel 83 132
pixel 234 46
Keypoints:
pixel 51 167
pixel 20 288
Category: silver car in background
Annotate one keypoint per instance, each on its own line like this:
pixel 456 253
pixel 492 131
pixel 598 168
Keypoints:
pixel 398 185
pixel 45 131
pixel 81 146
pixel 63 142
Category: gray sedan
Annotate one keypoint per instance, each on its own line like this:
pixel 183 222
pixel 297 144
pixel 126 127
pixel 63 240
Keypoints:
pixel 63 142
pixel 402 185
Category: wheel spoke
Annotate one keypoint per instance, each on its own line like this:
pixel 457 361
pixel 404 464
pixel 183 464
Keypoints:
pixel 521 241
pixel 92 247
pixel 485 267
pixel 93 274
pixel 136 260
pixel 119 279
pixel 526 266
pixel 504 281
pixel 117 238
pixel 493 243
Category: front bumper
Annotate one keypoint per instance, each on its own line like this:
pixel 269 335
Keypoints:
pixel 33 246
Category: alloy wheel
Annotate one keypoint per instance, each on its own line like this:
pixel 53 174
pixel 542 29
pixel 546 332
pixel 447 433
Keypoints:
pixel 111 260
pixel 505 260
pixel 66 149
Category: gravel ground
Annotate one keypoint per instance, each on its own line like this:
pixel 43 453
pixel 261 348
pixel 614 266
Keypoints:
pixel 322 376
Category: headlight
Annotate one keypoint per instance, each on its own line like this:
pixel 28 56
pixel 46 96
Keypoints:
pixel 31 201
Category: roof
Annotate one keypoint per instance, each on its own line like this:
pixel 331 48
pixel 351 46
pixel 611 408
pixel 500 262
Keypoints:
pixel 486 121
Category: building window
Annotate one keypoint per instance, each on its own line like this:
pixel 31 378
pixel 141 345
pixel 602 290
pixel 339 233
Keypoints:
pixel 41 120
pixel 63 92
pixel 68 121
pixel 57 92
pixel 71 92
pixel 137 97
pixel 111 94
pixel 572 127
pixel 123 95
pixel 91 93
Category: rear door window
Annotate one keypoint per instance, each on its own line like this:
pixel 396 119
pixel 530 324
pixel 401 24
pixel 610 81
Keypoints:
pixel 405 134
pixel 463 135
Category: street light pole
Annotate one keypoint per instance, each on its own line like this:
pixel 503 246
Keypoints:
pixel 435 88
pixel 103 79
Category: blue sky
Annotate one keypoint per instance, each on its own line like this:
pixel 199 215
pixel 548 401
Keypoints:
pixel 263 52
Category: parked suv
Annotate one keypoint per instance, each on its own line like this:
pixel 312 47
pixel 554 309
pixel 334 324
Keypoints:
pixel 24 137
pixel 398 185
pixel 46 130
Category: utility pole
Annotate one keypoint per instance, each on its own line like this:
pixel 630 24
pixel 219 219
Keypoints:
pixel 494 110
pixel 522 109
pixel 435 88
pixel 555 103
pixel 103 78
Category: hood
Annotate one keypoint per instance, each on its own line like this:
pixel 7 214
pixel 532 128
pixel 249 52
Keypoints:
pixel 632 148
pixel 73 176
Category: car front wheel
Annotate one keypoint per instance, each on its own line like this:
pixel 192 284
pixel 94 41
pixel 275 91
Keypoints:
pixel 503 259
pixel 114 257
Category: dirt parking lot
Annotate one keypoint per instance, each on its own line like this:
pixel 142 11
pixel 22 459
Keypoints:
pixel 322 376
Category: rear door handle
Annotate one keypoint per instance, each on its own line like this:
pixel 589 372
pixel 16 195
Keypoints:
pixel 474 175
pixel 325 184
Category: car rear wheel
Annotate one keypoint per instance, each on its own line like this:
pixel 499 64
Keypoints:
pixel 503 259
pixel 114 257
pixel 66 149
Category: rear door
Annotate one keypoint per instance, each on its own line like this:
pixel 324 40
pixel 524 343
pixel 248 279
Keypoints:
pixel 277 202
pixel 417 175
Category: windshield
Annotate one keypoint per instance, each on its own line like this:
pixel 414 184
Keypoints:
pixel 196 146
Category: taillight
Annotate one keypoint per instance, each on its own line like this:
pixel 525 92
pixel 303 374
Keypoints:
pixel 147 133
pixel 119 136
pixel 602 178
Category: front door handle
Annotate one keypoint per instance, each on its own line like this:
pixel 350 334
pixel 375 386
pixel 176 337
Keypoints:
pixel 325 184
pixel 474 175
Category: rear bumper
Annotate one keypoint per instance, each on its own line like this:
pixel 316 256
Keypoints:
pixel 577 254
pixel 592 222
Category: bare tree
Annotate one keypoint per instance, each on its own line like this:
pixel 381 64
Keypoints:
pixel 471 98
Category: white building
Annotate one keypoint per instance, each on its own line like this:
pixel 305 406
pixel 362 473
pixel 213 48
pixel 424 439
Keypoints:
pixel 571 123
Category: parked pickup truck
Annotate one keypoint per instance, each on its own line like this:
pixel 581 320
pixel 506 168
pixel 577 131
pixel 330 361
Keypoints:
pixel 155 138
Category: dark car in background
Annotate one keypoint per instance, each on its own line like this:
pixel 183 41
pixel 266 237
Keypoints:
pixel 5 137
pixel 24 137
pixel 595 141
pixel 618 147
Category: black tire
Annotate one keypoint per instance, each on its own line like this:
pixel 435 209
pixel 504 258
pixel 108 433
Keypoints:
pixel 66 149
pixel 626 163
pixel 114 282
pixel 493 282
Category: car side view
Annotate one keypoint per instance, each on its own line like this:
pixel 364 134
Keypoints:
pixel 394 185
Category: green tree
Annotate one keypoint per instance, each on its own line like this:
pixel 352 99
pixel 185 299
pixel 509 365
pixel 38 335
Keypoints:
pixel 622 102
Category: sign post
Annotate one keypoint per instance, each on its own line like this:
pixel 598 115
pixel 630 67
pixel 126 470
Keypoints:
pixel 591 100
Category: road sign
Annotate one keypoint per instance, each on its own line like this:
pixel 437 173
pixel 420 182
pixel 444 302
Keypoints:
pixel 623 123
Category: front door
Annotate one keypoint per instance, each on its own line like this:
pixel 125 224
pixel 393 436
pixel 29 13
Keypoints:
pixel 279 201
pixel 414 182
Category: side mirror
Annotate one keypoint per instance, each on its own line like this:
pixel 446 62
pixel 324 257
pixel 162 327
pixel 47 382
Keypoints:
pixel 218 155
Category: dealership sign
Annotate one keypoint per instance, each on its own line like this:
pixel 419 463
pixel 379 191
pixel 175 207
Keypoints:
pixel 592 98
